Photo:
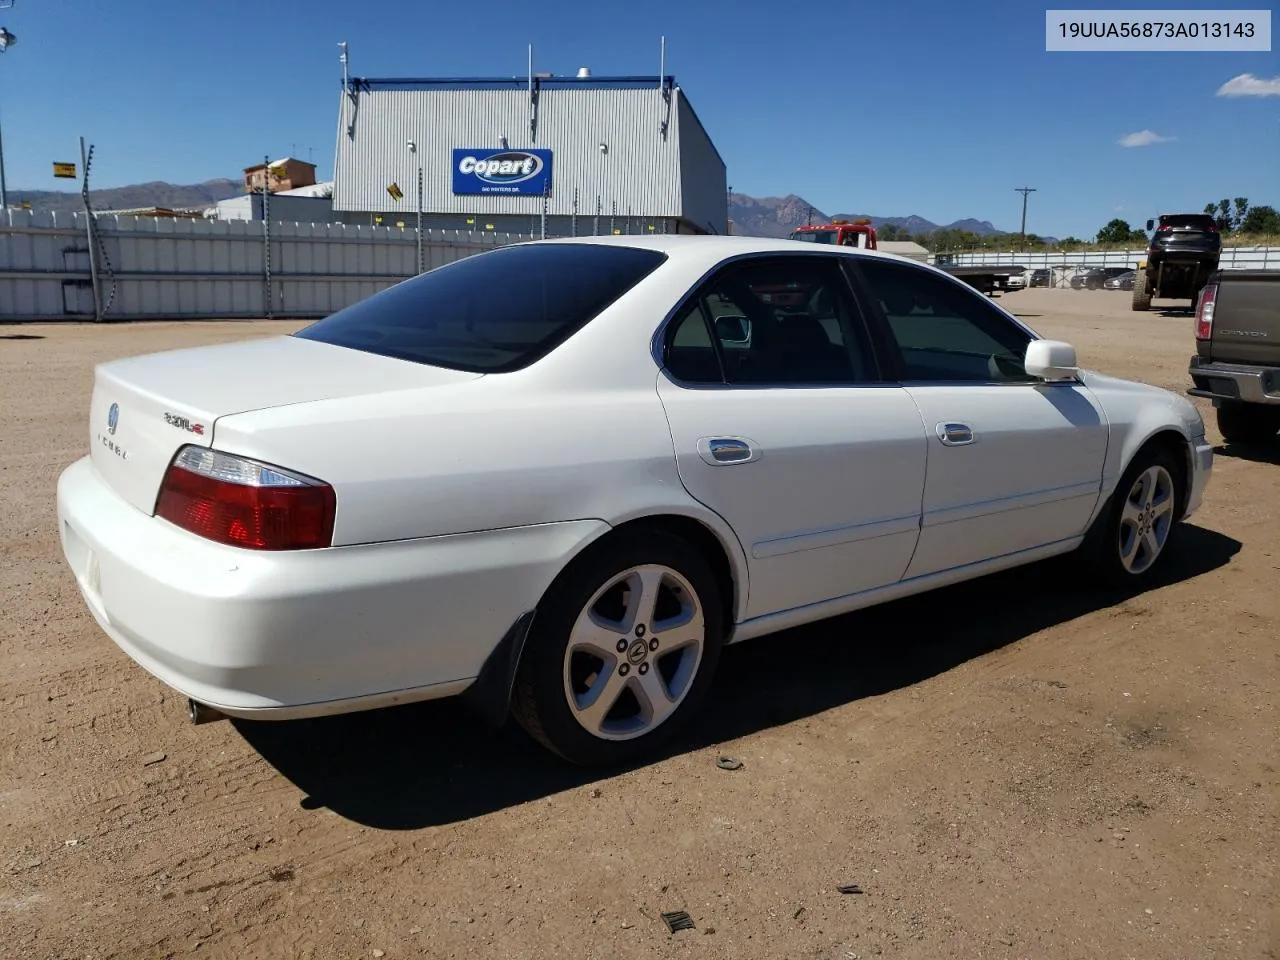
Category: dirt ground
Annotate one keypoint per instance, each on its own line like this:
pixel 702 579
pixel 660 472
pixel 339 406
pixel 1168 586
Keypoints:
pixel 1015 768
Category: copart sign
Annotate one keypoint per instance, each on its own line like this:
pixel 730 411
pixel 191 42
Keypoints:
pixel 501 171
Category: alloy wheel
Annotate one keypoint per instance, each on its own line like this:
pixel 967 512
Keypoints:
pixel 633 652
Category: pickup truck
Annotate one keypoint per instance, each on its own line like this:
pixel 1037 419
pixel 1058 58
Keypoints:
pixel 1237 361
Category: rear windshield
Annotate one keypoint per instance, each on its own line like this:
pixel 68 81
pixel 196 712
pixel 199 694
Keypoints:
pixel 1199 221
pixel 491 312
pixel 815 236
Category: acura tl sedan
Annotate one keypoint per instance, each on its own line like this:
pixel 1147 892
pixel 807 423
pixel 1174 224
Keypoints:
pixel 559 477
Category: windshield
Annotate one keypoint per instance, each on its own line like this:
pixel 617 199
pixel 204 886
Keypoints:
pixel 491 312
pixel 815 236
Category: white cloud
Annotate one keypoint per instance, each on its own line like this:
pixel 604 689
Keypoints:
pixel 1143 138
pixel 1247 85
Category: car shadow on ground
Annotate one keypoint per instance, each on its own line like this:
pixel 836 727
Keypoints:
pixel 21 336
pixel 1251 452
pixel 434 763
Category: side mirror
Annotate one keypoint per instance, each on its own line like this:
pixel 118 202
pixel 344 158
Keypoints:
pixel 1150 224
pixel 1051 360
pixel 732 329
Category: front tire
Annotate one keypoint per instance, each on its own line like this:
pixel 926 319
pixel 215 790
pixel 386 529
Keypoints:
pixel 1141 298
pixel 622 649
pixel 1247 423
pixel 1131 538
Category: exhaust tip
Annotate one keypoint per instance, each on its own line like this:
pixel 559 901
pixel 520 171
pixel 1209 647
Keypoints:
pixel 200 713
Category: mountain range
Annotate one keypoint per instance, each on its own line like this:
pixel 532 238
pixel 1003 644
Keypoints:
pixel 751 216
pixel 154 194
pixel 778 216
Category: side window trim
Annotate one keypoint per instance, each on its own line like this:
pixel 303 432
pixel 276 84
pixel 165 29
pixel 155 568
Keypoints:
pixel 872 308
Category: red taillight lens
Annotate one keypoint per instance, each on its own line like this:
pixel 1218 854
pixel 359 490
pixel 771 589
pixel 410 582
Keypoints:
pixel 1204 311
pixel 1213 227
pixel 244 503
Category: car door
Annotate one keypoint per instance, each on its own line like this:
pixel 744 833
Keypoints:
pixel 1014 463
pixel 782 424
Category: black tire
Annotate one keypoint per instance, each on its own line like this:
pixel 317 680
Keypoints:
pixel 540 701
pixel 1247 422
pixel 1101 554
pixel 1141 299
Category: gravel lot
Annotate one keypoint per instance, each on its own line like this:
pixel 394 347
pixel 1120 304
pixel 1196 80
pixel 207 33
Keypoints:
pixel 1013 768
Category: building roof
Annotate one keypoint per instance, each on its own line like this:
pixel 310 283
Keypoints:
pixel 314 190
pixel 369 84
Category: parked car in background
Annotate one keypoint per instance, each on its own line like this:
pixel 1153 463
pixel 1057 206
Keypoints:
pixel 1040 278
pixel 1121 281
pixel 557 477
pixel 1016 281
pixel 1094 278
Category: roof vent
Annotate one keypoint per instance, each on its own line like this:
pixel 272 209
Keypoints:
pixel 584 72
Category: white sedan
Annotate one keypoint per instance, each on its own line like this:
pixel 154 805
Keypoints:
pixel 560 476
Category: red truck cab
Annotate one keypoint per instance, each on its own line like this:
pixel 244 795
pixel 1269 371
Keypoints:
pixel 845 233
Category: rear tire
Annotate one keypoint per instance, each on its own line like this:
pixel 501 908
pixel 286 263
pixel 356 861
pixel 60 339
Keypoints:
pixel 1131 537
pixel 1141 298
pixel 622 649
pixel 1247 422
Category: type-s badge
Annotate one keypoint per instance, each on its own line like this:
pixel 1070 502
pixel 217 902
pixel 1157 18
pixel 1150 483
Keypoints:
pixel 183 423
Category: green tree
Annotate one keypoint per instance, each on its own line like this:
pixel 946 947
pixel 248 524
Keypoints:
pixel 1116 231
pixel 1262 219
pixel 1242 208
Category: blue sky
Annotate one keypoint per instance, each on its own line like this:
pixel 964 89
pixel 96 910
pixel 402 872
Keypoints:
pixel 933 108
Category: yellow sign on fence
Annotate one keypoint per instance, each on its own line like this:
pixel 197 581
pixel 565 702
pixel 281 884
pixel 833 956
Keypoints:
pixel 67 171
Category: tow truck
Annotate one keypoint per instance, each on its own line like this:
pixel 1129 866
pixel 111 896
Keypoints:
pixel 861 234
pixel 843 233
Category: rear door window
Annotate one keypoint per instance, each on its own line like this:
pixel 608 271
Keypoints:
pixel 491 312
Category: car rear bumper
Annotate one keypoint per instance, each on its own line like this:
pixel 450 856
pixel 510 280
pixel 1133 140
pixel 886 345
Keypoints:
pixel 275 635
pixel 1235 381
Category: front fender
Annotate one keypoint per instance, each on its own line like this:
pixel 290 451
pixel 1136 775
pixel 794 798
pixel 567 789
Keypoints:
pixel 1136 413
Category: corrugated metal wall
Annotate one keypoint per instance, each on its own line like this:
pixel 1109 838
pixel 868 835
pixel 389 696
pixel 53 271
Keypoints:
pixel 640 172
pixel 157 268
pixel 702 173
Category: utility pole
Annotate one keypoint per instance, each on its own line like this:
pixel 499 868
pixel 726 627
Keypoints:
pixel 7 40
pixel 1024 191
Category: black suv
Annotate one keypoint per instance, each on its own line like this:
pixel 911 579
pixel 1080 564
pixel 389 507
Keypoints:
pixel 1184 250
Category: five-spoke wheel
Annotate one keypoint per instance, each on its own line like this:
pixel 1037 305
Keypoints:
pixel 633 652
pixel 621 649
pixel 1146 518
pixel 1132 535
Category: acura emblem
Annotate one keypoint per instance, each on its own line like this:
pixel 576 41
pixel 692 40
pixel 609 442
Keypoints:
pixel 113 418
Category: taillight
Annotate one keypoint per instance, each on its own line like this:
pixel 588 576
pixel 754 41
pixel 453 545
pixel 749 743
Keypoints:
pixel 244 503
pixel 1213 226
pixel 1204 311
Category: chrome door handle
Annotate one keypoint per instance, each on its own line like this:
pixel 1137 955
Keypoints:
pixel 955 434
pixel 721 451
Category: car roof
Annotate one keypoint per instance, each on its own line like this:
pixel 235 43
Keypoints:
pixel 717 247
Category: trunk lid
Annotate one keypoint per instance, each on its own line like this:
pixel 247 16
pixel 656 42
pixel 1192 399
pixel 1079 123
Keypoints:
pixel 143 409
pixel 1246 318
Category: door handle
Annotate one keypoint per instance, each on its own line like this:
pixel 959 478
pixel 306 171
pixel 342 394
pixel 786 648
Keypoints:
pixel 721 451
pixel 955 434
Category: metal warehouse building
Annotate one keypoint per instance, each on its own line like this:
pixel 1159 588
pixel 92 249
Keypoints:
pixel 581 154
